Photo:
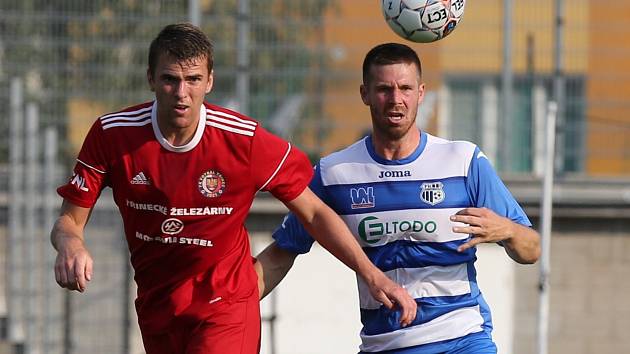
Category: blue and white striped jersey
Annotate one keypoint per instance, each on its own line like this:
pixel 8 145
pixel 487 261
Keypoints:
pixel 399 212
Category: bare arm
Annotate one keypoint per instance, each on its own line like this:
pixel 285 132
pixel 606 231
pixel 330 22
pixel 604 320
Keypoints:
pixel 332 233
pixel 73 265
pixel 272 265
pixel 521 243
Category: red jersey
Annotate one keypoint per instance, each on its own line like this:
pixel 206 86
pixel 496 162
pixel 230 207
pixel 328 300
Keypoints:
pixel 184 207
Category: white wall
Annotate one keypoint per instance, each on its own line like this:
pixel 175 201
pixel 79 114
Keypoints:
pixel 495 276
pixel 317 308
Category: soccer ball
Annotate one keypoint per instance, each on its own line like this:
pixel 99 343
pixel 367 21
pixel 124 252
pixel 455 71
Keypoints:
pixel 423 20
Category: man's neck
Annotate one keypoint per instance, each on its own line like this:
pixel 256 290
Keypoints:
pixel 175 134
pixel 178 137
pixel 397 149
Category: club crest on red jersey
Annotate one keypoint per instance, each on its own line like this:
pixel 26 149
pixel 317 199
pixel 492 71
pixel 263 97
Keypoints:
pixel 211 184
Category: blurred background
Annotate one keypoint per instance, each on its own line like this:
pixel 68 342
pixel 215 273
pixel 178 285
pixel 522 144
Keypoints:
pixel 296 67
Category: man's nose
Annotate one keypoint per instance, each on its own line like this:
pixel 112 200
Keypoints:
pixel 396 96
pixel 180 89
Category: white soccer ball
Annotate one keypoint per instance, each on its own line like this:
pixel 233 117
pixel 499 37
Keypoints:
pixel 423 20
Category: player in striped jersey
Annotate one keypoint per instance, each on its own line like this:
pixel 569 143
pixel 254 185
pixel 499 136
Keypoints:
pixel 184 173
pixel 418 205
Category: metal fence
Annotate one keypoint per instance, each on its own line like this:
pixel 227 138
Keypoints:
pixel 281 62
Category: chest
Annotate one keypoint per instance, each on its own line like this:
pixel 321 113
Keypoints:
pixel 400 208
pixel 202 177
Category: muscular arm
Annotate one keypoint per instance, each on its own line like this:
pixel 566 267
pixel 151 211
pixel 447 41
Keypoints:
pixel 521 243
pixel 332 233
pixel 272 265
pixel 524 245
pixel 73 265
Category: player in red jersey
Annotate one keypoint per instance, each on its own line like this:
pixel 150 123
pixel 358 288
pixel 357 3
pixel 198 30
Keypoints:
pixel 184 174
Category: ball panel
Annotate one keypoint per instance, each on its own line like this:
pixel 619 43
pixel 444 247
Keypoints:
pixel 415 4
pixel 424 36
pixel 448 28
pixel 391 8
pixel 396 28
pixel 423 20
pixel 410 20
pixel 435 16
pixel 457 8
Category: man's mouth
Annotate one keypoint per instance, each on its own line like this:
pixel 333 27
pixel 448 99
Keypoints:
pixel 395 116
pixel 181 108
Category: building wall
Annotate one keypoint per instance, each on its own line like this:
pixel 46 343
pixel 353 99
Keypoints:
pixel 609 89
pixel 589 284
pixel 595 49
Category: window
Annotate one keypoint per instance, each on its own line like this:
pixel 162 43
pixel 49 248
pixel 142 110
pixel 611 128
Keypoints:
pixel 514 144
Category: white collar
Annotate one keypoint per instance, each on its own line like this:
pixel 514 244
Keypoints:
pixel 201 125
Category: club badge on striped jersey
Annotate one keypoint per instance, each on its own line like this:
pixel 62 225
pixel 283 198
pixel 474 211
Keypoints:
pixel 211 184
pixel 432 193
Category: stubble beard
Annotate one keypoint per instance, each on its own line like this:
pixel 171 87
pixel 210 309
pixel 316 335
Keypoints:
pixel 384 130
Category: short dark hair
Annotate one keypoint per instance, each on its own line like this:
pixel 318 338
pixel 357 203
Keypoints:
pixel 387 54
pixel 182 41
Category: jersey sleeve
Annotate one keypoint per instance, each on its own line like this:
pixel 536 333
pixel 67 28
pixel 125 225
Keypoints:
pixel 291 235
pixel 279 167
pixel 486 189
pixel 90 174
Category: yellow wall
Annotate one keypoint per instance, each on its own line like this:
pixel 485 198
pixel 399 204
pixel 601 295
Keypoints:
pixel 608 89
pixel 81 115
pixel 352 28
pixel 475 47
pixel 477 44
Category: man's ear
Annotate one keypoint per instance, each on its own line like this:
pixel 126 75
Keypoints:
pixel 421 93
pixel 150 80
pixel 364 94
pixel 210 82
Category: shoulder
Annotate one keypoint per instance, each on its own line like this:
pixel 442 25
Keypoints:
pixel 134 116
pixel 346 165
pixel 448 157
pixel 458 149
pixel 230 122
pixel 355 153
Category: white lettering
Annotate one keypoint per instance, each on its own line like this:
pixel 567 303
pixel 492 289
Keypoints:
pixel 79 182
pixel 195 241
pixel 173 240
pixel 201 211
pixel 150 207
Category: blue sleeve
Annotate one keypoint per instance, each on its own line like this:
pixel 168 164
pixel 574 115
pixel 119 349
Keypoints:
pixel 291 235
pixel 486 189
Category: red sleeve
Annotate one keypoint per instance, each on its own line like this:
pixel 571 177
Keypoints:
pixel 90 172
pixel 278 166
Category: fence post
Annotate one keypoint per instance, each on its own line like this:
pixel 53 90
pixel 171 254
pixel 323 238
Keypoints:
pixel 15 261
pixel 49 303
pixel 32 270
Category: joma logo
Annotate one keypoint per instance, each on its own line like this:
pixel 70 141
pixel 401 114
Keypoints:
pixel 394 174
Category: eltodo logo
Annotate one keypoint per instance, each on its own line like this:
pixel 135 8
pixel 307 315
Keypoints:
pixel 372 229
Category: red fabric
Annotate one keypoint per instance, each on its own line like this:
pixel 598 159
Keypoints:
pixel 184 216
pixel 232 328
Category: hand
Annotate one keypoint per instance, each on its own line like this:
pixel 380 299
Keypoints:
pixel 484 225
pixel 73 266
pixel 392 295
